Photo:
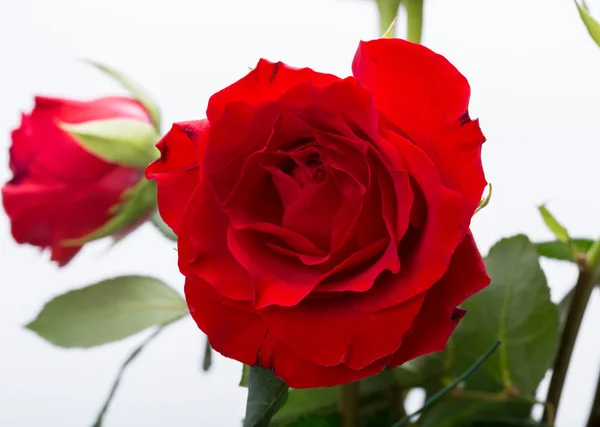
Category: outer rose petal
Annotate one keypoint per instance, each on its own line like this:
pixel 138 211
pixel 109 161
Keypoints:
pixel 267 82
pixel 231 330
pixel 176 171
pixel 425 96
pixel 329 332
pixel 45 215
pixel 298 372
pixel 417 89
pixel 439 315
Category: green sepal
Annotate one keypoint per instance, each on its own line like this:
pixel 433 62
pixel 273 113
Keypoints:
pixel 136 202
pixel 125 142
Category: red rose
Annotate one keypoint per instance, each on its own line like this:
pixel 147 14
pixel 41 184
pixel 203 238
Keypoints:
pixel 59 190
pixel 323 223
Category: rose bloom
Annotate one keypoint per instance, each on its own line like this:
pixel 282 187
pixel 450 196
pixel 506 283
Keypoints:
pixel 59 190
pixel 323 223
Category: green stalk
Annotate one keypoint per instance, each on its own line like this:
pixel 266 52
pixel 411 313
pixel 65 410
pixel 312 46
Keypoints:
pixel 349 404
pixel 589 273
pixel 414 20
pixel 388 9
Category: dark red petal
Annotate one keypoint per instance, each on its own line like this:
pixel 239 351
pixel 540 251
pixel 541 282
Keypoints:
pixel 242 130
pixel 277 279
pixel 345 277
pixel 444 228
pixel 417 89
pixel 298 372
pixel 176 171
pixel 329 332
pixel 439 316
pixel 203 251
pixel 267 82
pixel 232 329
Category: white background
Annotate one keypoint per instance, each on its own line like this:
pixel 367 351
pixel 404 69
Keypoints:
pixel 535 77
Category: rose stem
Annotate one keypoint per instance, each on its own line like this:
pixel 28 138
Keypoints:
pixel 349 394
pixel 414 20
pixel 588 274
pixel 594 419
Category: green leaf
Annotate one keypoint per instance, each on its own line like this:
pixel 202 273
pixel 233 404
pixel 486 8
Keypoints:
pixel 555 227
pixel 516 309
pixel 136 202
pixel 131 358
pixel 207 360
pixel 122 141
pixel 108 311
pixel 459 412
pixel 266 394
pixel 136 90
pixel 160 225
pixel 245 376
pixel 414 17
pixel 556 249
pixel 591 24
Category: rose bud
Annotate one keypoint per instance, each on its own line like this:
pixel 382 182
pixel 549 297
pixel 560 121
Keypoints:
pixel 323 222
pixel 78 173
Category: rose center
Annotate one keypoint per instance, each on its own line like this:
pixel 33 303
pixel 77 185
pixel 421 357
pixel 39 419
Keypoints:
pixel 308 172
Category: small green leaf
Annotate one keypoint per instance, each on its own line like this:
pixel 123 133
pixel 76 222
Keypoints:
pixel 160 225
pixel 558 230
pixel 245 376
pixel 122 141
pixel 207 360
pixel 591 24
pixel 266 394
pixel 556 249
pixel 135 89
pixel 108 311
pixel 516 309
pixel 485 200
pixel 390 31
pixel 136 202
pixel 131 358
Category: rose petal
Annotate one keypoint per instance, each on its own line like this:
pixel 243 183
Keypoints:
pixel 299 373
pixel 425 96
pixel 231 329
pixel 329 332
pixel 203 251
pixel 445 226
pixel 439 315
pixel 176 171
pixel 417 89
pixel 266 82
